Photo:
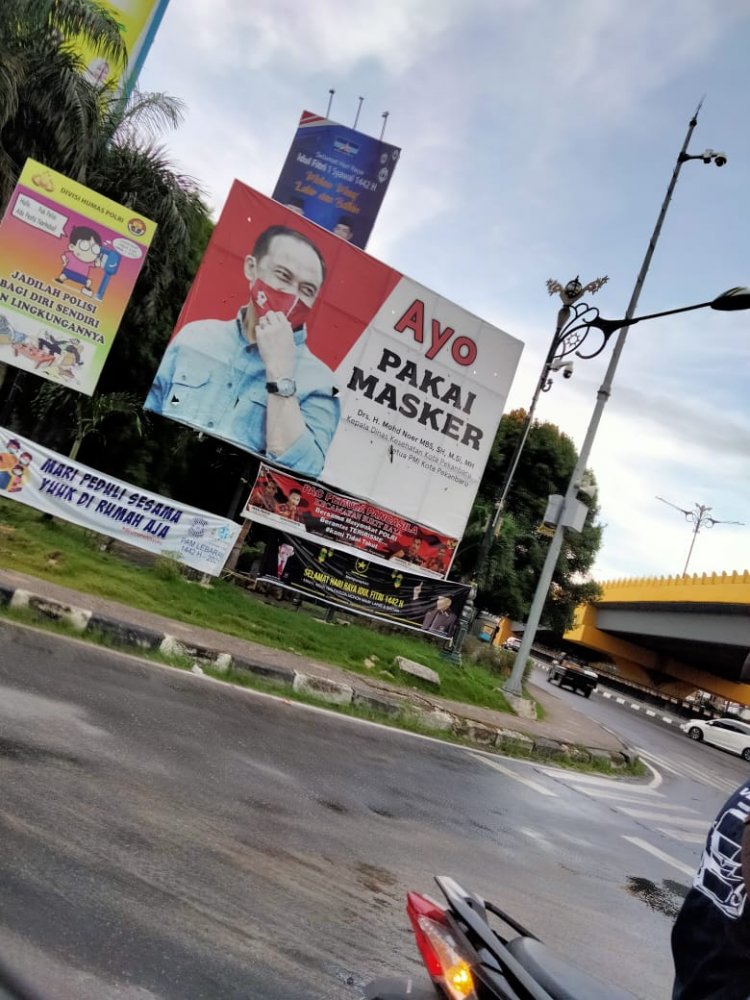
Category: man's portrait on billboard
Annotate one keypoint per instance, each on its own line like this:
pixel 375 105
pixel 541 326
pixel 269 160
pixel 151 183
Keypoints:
pixel 252 380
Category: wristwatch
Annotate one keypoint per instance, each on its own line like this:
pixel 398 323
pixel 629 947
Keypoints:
pixel 284 387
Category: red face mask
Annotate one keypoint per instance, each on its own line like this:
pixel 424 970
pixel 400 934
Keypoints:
pixel 267 299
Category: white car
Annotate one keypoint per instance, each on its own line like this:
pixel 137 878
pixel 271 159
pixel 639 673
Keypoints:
pixel 729 734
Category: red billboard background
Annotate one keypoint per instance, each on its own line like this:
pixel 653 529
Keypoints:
pixel 297 507
pixel 355 287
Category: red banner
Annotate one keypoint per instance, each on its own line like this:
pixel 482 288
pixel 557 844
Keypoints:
pixel 302 508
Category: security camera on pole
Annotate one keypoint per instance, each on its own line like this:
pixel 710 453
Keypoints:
pixel 570 507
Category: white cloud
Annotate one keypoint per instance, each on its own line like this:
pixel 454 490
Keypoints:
pixel 313 38
pixel 537 141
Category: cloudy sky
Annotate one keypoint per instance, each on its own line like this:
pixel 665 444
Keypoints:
pixel 538 140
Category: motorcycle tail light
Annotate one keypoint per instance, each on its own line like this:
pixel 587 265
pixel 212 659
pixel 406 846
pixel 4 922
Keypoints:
pixel 438 947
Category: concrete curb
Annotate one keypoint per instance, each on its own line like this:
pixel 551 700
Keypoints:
pixel 652 713
pixel 392 704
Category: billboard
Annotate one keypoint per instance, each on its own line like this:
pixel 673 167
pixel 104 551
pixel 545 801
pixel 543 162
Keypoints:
pixel 336 177
pixel 139 21
pixel 33 475
pixel 297 347
pixel 363 587
pixel 69 259
pixel 298 507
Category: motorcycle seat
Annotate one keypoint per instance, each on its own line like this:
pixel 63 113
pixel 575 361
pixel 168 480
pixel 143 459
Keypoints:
pixel 560 979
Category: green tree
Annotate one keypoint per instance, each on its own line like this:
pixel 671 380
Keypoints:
pixel 518 552
pixel 48 110
pixel 51 112
pixel 85 416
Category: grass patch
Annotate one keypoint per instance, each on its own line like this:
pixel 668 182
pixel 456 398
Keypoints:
pixel 71 556
pixel 405 720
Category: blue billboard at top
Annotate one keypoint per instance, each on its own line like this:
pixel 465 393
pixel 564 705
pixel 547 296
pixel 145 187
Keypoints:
pixel 336 177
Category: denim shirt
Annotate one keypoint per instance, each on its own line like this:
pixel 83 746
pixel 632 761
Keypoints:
pixel 212 379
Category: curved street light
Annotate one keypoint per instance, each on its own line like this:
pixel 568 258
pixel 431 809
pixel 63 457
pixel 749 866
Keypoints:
pixel 701 518
pixel 733 300
pixel 729 301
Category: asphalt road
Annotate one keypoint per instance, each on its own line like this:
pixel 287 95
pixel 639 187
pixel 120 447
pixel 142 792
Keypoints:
pixel 165 836
pixel 692 772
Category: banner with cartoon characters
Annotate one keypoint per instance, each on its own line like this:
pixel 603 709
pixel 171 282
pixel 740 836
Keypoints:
pixel 299 507
pixel 363 587
pixel 43 479
pixel 69 259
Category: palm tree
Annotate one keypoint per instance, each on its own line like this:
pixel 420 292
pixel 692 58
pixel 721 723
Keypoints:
pixel 48 110
pixel 51 112
pixel 85 414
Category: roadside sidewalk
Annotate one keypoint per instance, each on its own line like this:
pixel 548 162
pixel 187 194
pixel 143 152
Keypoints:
pixel 561 730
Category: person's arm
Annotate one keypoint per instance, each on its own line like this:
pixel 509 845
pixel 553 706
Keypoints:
pixel 284 421
pixel 159 391
pixel 306 454
pixel 297 433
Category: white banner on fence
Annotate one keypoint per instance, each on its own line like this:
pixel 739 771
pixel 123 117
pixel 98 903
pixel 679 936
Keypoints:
pixel 33 475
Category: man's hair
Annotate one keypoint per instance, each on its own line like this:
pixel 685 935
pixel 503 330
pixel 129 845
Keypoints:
pixel 298 492
pixel 346 220
pixel 263 243
pixel 78 233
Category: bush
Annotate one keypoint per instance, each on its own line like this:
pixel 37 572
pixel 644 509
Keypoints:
pixel 484 654
pixel 167 568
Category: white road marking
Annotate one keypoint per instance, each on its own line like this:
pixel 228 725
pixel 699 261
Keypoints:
pixel 665 718
pixel 606 694
pixel 684 769
pixel 661 855
pixel 533 785
pixel 649 712
pixel 636 708
pixel 685 837
pixel 587 779
pixel 658 760
pixel 657 777
pixel 537 837
pixel 620 701
pixel 657 817
pixel 600 794
pixel 577 841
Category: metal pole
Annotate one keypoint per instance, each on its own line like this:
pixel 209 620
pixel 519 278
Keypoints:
pixel 359 108
pixel 384 116
pixel 330 102
pixel 513 685
pixel 484 549
pixel 698 523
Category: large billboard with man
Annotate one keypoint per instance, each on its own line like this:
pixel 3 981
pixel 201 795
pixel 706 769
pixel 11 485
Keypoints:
pixel 299 348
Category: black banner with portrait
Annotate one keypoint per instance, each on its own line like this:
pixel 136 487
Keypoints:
pixel 363 587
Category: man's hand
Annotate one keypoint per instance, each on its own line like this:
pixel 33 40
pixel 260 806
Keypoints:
pixel 64 259
pixel 273 333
